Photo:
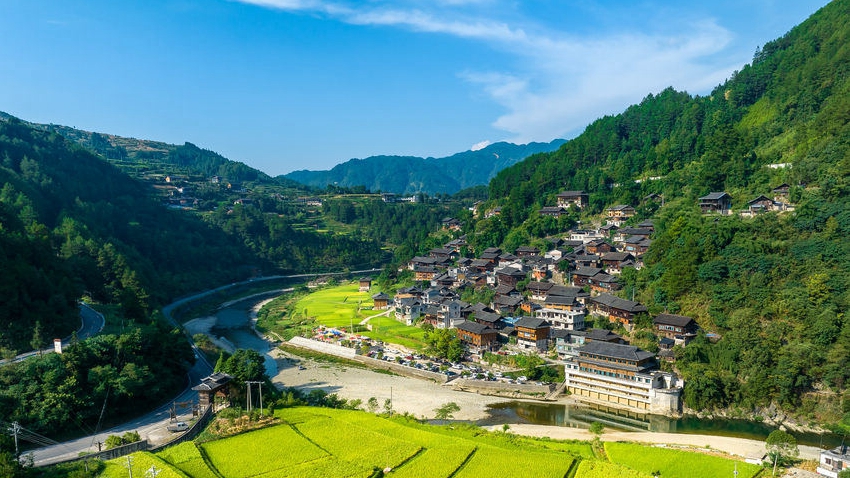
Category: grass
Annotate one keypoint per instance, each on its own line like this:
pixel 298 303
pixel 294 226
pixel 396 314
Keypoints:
pixel 387 329
pixel 494 461
pixel 669 461
pixel 322 442
pixel 336 306
pixel 259 452
pixel 187 458
pixel 603 469
pixel 140 462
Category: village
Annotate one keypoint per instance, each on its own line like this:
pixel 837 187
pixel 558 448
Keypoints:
pixel 542 302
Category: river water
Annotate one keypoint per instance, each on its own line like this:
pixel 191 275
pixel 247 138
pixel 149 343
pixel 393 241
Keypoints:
pixel 581 416
pixel 233 323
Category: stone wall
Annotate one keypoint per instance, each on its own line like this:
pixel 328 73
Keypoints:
pixel 503 389
pixel 350 353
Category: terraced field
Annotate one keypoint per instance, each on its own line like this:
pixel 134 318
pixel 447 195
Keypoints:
pixel 321 442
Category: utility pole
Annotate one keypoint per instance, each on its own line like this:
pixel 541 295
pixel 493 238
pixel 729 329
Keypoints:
pixel 248 398
pixel 260 386
pixel 129 465
pixel 16 429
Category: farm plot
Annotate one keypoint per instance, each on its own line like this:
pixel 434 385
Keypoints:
pixel 336 306
pixel 140 463
pixel 603 469
pixel 440 462
pixel 187 458
pixel 272 449
pixel 647 459
pixel 356 444
pixel 389 330
pixel 498 463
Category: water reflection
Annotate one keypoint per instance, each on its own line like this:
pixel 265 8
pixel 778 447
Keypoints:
pixel 581 416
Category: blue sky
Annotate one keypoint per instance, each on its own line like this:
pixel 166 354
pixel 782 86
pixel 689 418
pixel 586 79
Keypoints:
pixel 283 85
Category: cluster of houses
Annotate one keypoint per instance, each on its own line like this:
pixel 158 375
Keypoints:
pixel 714 202
pixel 540 300
pixel 721 203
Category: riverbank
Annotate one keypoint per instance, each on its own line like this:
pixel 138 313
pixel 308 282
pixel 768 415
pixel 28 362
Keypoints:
pixel 740 447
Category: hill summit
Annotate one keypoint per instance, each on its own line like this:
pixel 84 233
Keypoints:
pixel 411 174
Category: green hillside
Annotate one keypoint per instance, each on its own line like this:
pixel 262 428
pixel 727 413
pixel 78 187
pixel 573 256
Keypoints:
pixel 776 287
pixel 410 174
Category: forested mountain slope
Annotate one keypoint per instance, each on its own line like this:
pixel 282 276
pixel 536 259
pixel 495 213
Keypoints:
pixel 74 224
pixel 410 174
pixel 775 287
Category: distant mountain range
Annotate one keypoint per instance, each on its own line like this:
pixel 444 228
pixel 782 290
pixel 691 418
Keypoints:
pixel 411 174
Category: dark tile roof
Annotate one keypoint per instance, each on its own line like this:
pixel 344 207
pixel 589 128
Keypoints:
pixel 560 300
pixel 475 328
pixel 531 323
pixel 618 303
pixel 568 291
pixel 539 286
pixel 714 196
pixel 587 271
pixel 672 319
pixel 607 349
pixel 601 335
pixel 213 382
pixel 489 317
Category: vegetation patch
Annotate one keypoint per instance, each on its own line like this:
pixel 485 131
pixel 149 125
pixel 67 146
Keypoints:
pixel 669 462
pixel 187 458
pixel 260 452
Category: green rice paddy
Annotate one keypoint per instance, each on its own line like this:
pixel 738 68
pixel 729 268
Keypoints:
pixel 321 442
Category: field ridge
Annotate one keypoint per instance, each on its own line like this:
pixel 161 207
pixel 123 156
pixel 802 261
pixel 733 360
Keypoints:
pixel 467 460
pixel 300 433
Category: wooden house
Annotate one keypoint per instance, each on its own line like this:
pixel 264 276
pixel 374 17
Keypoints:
pixel 476 334
pixel 680 328
pixel 719 202
pixel 532 333
pixel 381 300
pixel 578 199
pixel 616 309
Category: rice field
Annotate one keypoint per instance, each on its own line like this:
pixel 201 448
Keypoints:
pixel 676 463
pixel 343 306
pixel 337 307
pixel 320 442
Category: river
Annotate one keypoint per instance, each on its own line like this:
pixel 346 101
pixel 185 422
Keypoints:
pixel 581 416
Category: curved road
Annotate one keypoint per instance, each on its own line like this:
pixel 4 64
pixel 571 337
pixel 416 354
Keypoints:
pixel 152 425
pixel 92 323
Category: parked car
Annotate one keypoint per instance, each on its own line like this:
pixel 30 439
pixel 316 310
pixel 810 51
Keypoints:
pixel 177 427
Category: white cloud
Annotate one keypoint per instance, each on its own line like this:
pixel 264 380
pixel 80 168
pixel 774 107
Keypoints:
pixel 480 145
pixel 562 82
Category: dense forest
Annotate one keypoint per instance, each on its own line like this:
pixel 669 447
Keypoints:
pixel 776 287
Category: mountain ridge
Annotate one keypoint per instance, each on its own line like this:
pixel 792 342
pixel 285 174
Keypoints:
pixel 414 174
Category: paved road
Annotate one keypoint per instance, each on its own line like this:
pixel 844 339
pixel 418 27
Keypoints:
pixel 152 425
pixel 92 323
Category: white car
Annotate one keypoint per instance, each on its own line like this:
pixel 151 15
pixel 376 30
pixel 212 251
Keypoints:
pixel 177 427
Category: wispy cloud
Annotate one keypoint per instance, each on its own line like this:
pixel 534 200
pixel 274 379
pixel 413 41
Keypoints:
pixel 563 81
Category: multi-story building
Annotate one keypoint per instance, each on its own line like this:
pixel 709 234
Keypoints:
pixel 562 312
pixel 622 376
pixel 832 462
pixel 532 333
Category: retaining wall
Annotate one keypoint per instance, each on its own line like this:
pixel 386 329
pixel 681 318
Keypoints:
pixel 351 354
pixel 503 389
